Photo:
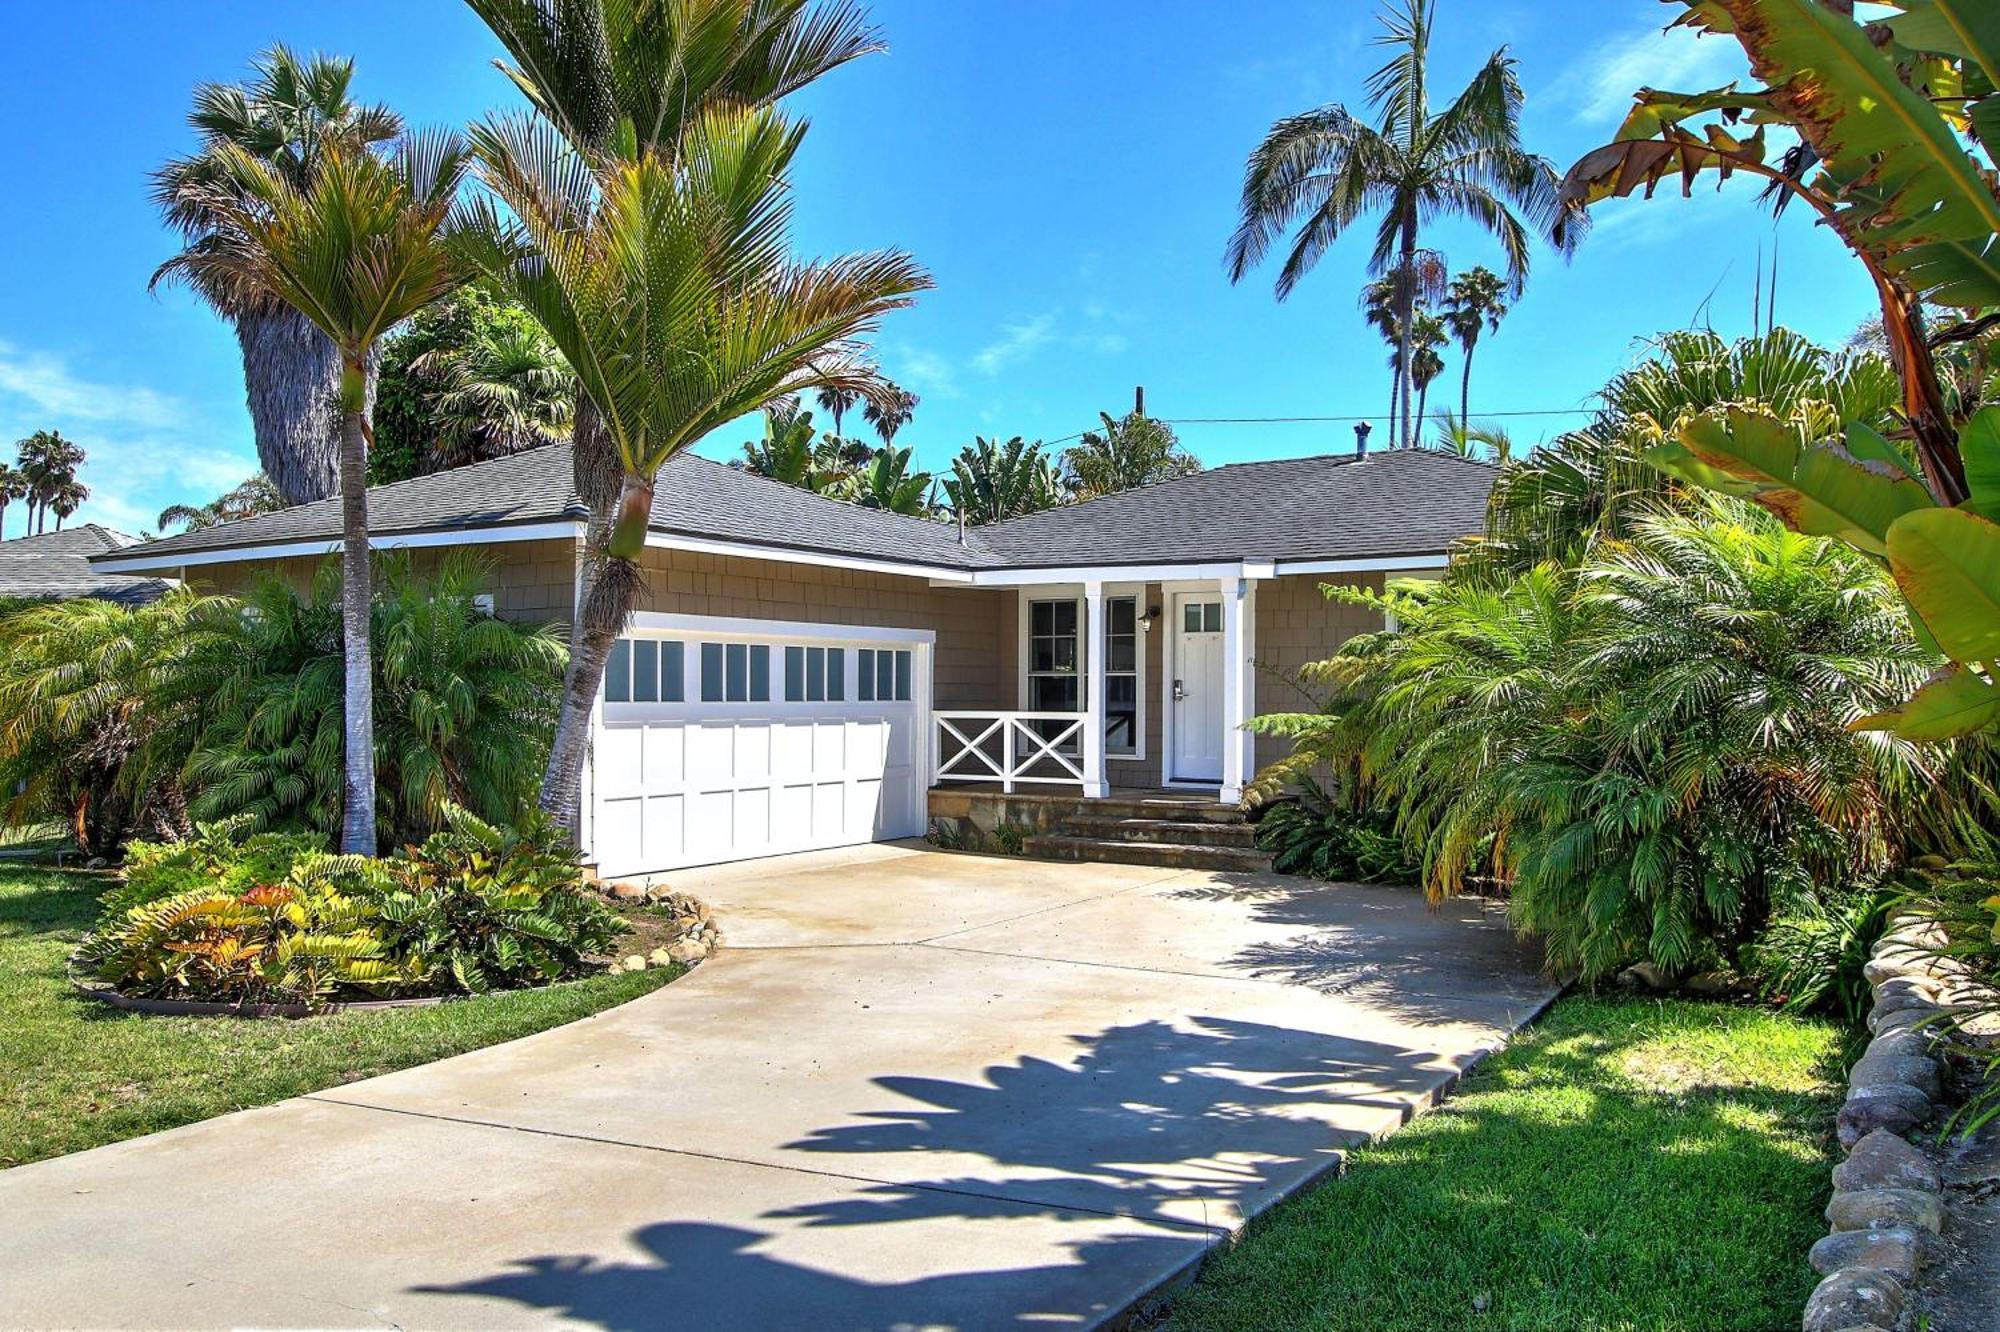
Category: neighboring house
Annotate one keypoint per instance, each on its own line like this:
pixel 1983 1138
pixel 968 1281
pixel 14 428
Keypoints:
pixel 55 566
pixel 802 671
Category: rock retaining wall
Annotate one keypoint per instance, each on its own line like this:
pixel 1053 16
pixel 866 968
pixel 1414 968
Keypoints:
pixel 1888 1205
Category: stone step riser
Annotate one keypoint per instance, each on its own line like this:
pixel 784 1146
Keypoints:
pixel 1163 831
pixel 1167 854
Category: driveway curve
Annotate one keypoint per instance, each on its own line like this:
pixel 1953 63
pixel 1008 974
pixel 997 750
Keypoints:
pixel 916 1090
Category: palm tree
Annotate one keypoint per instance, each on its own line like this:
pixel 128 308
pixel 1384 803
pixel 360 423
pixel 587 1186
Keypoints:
pixel 1426 364
pixel 360 247
pixel 1134 450
pixel 990 481
pixel 509 390
pixel 664 279
pixel 13 486
pixel 287 116
pixel 889 411
pixel 1473 303
pixel 1324 168
pixel 251 497
pixel 49 463
pixel 630 78
pixel 837 403
pixel 1470 439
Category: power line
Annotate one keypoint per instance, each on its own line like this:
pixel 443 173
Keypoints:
pixel 1325 420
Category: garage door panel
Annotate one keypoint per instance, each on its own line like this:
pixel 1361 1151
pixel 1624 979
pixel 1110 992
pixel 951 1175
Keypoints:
pixel 685 782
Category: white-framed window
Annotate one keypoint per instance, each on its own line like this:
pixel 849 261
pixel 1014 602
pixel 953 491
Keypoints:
pixel 735 672
pixel 883 675
pixel 645 670
pixel 1058 660
pixel 815 674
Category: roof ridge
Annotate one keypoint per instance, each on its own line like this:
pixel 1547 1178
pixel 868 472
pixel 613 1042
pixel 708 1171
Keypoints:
pixel 816 494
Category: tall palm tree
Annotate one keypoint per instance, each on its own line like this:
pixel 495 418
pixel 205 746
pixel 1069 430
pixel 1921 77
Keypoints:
pixel 359 247
pixel 665 280
pixel 1425 341
pixel 49 463
pixel 287 115
pixel 837 403
pixel 245 500
pixel 613 76
pixel 509 390
pixel 1134 450
pixel 887 411
pixel 1474 303
pixel 65 496
pixel 990 480
pixel 13 486
pixel 1324 168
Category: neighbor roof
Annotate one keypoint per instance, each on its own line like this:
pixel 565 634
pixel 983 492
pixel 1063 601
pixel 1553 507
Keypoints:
pixel 55 566
pixel 1402 502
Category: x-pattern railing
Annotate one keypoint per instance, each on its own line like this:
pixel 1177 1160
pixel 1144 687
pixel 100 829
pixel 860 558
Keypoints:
pixel 1027 741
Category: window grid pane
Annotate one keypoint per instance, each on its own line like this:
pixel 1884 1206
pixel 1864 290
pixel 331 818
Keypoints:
pixel 816 674
pixel 885 676
pixel 795 675
pixel 645 671
pixel 865 690
pixel 760 673
pixel 711 672
pixel 1211 617
pixel 836 674
pixel 737 656
pixel 673 671
pixel 903 671
pixel 618 672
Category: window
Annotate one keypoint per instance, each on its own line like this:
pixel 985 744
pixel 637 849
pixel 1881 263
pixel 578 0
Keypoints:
pixel 1201 617
pixel 1121 675
pixel 815 674
pixel 644 670
pixel 735 673
pixel 883 675
pixel 1053 657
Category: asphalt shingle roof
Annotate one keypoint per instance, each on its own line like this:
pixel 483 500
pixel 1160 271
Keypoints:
pixel 1405 502
pixel 56 566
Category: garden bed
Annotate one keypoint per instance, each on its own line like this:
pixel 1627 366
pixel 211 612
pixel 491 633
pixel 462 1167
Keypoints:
pixel 75 1074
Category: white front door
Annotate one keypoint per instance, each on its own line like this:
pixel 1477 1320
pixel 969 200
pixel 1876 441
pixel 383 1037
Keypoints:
pixel 1195 692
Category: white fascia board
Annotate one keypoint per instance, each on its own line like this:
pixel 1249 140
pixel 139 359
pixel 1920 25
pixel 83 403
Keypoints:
pixel 1080 574
pixel 818 559
pixel 1376 564
pixel 723 626
pixel 284 550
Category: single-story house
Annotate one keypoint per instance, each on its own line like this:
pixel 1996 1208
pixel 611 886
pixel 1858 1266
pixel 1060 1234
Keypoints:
pixel 803 672
pixel 55 566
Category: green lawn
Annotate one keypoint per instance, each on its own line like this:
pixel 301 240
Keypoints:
pixel 75 1074
pixel 1625 1164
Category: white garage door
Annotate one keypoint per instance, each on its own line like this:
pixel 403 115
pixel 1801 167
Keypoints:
pixel 726 739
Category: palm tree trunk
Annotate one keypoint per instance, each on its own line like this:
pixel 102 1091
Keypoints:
pixel 1406 312
pixel 1423 401
pixel 606 608
pixel 357 820
pixel 291 376
pixel 1465 389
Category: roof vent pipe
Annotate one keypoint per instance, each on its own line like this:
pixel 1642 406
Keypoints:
pixel 961 526
pixel 1361 430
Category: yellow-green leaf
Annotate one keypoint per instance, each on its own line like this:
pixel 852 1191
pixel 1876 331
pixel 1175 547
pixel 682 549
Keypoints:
pixel 1947 562
pixel 1952 703
pixel 1748 443
pixel 1979 446
pixel 1854 500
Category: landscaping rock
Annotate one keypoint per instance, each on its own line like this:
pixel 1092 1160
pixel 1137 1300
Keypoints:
pixel 688 950
pixel 1907 1042
pixel 1903 1019
pixel 659 957
pixel 626 892
pixel 1644 975
pixel 1906 992
pixel 1895 1251
pixel 1886 1209
pixel 1881 1160
pixel 1919 1071
pixel 634 963
pixel 1860 1116
pixel 1854 1298
pixel 1713 983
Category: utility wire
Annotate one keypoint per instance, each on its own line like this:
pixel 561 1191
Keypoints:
pixel 1322 420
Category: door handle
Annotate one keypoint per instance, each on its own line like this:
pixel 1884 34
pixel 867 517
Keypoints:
pixel 1179 692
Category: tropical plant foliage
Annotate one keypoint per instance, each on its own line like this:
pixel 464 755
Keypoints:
pixel 1323 835
pixel 1650 748
pixel 252 496
pixel 1131 450
pixel 990 480
pixel 46 478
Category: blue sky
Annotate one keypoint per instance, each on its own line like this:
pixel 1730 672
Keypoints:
pixel 1068 172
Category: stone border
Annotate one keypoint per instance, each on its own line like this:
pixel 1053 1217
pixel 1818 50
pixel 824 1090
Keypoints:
pixel 1888 1204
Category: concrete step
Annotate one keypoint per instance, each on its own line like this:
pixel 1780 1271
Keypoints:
pixel 1186 832
pixel 1056 846
pixel 1160 807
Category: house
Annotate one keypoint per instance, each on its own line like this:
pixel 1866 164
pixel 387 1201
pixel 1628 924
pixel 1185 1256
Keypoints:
pixel 807 673
pixel 55 566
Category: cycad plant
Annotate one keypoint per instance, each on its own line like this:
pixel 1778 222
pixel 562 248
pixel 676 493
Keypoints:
pixel 356 249
pixel 1323 169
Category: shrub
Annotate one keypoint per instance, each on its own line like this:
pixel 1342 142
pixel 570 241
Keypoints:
pixel 214 859
pixel 1313 832
pixel 477 907
pixel 1810 958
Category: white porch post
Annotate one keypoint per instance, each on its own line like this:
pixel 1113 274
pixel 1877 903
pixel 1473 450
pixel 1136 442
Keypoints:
pixel 1095 787
pixel 1239 696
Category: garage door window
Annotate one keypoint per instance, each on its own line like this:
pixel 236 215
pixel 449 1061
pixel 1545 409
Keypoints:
pixel 883 675
pixel 815 674
pixel 735 673
pixel 645 670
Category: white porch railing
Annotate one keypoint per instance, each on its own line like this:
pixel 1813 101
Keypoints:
pixel 1008 748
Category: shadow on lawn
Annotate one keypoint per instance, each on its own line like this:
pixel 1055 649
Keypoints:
pixel 41 899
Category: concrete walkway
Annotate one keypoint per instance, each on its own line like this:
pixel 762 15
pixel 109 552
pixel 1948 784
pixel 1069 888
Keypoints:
pixel 916 1090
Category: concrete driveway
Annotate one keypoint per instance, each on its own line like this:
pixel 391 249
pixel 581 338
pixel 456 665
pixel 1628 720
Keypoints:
pixel 916 1090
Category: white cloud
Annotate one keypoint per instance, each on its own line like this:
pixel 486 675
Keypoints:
pixel 925 372
pixel 143 449
pixel 1016 340
pixel 1679 59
